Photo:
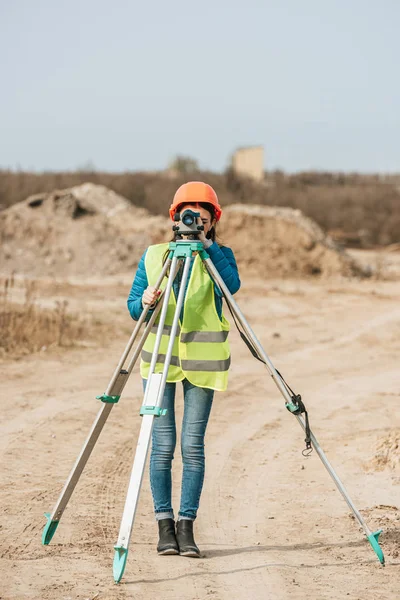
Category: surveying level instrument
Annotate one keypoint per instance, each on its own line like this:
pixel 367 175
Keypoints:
pixel 180 253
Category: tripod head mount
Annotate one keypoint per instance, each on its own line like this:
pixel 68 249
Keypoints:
pixel 187 224
pixel 182 249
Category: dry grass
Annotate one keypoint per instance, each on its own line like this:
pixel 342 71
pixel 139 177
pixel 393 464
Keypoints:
pixel 364 208
pixel 25 327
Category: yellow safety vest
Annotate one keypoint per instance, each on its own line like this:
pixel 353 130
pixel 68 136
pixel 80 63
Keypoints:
pixel 201 350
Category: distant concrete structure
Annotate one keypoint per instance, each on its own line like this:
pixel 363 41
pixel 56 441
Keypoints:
pixel 249 161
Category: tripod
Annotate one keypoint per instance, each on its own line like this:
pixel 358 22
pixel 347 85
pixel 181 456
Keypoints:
pixel 180 251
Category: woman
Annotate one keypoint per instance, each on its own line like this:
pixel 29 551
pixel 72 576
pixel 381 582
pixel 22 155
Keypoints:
pixel 200 360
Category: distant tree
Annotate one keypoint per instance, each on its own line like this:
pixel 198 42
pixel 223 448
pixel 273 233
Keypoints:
pixel 184 165
pixel 86 167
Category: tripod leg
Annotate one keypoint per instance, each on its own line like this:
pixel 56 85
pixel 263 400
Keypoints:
pixel 372 537
pixel 135 482
pixel 152 407
pixel 110 397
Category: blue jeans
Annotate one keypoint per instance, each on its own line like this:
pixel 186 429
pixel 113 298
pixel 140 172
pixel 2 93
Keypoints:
pixel 197 408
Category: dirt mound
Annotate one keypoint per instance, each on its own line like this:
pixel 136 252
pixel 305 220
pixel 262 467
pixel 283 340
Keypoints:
pixel 276 241
pixel 90 230
pixel 75 202
pixel 84 230
pixel 387 454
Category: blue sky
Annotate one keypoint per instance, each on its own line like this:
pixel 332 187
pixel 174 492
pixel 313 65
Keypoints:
pixel 128 85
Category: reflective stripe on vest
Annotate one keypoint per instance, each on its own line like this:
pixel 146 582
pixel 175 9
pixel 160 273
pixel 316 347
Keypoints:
pixel 201 350
pixel 204 336
pixel 191 365
pixel 166 329
pixel 206 365
pixel 146 356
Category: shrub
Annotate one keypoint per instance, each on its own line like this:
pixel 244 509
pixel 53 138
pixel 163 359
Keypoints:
pixel 26 328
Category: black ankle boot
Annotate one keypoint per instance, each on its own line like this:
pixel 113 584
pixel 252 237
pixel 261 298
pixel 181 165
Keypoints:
pixel 167 543
pixel 184 536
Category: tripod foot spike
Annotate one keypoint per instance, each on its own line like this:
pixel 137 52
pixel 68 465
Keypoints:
pixel 120 556
pixel 373 540
pixel 49 530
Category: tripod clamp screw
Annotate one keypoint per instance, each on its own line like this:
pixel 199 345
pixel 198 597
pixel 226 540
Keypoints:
pixel 108 399
pixel 293 408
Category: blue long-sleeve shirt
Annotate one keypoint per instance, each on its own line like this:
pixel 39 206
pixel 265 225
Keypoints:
pixel 223 260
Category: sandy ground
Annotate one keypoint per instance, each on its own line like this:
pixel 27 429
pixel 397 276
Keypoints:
pixel 271 523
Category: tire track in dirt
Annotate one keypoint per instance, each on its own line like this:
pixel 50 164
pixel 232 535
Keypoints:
pixel 348 338
pixel 114 477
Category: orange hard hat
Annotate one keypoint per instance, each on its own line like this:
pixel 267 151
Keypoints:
pixel 193 192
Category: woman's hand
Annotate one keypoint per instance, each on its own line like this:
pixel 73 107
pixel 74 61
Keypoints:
pixel 202 236
pixel 150 295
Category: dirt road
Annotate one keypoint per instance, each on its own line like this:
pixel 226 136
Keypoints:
pixel 271 523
